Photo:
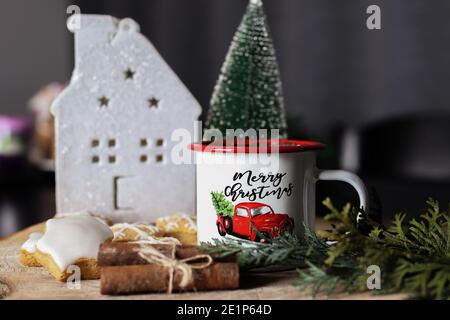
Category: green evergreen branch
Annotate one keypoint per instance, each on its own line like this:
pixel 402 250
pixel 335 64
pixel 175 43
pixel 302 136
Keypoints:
pixel 317 280
pixel 286 251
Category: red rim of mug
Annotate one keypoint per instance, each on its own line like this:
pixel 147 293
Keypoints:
pixel 256 146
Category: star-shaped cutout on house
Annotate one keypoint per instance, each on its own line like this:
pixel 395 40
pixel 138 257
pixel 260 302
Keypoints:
pixel 153 102
pixel 129 74
pixel 104 101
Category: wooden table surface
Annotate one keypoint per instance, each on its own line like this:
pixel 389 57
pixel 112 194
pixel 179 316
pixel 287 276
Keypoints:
pixel 18 282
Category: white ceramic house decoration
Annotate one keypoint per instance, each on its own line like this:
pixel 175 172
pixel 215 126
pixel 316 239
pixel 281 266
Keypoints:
pixel 114 123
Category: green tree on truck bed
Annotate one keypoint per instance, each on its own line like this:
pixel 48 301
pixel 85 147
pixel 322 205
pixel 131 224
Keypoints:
pixel 222 205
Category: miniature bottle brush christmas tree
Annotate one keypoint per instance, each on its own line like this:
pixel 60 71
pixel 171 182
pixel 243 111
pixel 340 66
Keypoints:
pixel 248 93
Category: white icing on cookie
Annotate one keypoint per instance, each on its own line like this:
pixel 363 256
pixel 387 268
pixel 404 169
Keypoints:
pixel 68 239
pixel 30 245
pixel 82 213
pixel 119 230
pixel 173 222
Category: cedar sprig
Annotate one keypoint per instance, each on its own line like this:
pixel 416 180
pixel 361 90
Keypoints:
pixel 287 251
pixel 413 255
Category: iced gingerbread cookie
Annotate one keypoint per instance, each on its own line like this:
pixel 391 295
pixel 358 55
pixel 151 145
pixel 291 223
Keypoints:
pixel 135 231
pixel 73 240
pixel 28 249
pixel 84 213
pixel 179 226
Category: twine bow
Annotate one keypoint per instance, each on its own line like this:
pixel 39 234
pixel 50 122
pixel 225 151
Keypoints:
pixel 185 266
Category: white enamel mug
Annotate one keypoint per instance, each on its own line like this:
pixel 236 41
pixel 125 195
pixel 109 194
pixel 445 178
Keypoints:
pixel 260 189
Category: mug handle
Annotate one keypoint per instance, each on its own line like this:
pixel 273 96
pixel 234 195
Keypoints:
pixel 350 178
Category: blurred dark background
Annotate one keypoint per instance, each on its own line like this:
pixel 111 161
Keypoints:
pixel 379 99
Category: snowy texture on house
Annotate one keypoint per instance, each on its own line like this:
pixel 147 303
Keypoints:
pixel 114 124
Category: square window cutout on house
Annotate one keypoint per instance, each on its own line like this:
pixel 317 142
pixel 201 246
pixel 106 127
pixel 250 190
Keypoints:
pixel 95 143
pixel 159 142
pixel 143 158
pixel 111 143
pixel 143 142
pixel 112 159
pixel 159 158
pixel 95 159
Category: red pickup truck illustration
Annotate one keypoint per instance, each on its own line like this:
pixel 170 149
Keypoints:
pixel 255 221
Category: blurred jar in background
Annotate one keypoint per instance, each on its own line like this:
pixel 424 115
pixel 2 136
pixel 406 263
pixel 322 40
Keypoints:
pixel 42 150
pixel 9 219
pixel 14 133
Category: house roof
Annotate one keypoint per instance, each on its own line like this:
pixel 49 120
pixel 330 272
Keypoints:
pixel 101 40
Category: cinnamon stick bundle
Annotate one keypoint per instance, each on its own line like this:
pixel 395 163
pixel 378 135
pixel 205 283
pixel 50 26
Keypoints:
pixel 127 253
pixel 138 268
pixel 155 278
